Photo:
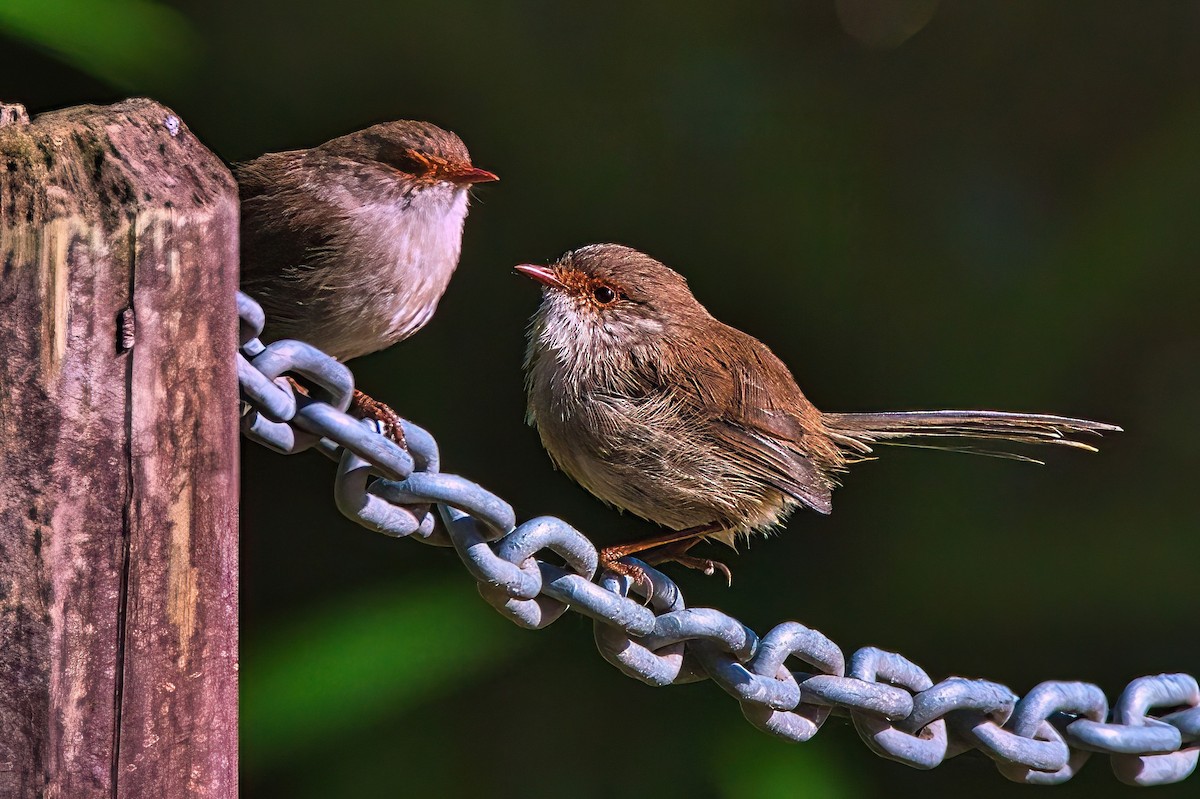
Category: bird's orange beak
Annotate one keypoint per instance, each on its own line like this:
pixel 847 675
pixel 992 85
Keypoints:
pixel 542 274
pixel 469 174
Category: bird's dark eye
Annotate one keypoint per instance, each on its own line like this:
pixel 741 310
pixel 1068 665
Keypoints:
pixel 604 295
pixel 412 162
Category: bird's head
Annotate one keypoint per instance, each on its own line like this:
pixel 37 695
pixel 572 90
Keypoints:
pixel 419 151
pixel 609 298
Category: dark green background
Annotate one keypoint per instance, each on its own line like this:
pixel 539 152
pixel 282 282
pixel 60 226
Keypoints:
pixel 999 211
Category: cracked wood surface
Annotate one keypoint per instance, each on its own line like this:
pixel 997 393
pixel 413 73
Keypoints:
pixel 118 457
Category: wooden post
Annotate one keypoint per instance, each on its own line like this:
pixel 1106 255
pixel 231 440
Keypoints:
pixel 118 457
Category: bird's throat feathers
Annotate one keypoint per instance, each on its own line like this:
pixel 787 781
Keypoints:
pixel 579 343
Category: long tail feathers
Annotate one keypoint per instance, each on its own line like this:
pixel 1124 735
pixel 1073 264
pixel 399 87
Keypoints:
pixel 855 432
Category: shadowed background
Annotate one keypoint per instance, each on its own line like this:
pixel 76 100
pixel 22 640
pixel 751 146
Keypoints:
pixel 914 204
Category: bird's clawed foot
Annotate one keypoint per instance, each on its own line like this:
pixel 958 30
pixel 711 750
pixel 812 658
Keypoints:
pixel 390 423
pixel 673 550
pixel 611 560
pixel 677 553
pixel 709 567
pixel 363 406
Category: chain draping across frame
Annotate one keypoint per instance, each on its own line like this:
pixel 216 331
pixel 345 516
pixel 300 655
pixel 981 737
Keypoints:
pixel 1151 734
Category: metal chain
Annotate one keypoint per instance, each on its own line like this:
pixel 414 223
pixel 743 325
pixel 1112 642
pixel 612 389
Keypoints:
pixel 1152 735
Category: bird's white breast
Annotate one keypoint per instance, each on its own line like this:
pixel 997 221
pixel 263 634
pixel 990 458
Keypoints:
pixel 414 244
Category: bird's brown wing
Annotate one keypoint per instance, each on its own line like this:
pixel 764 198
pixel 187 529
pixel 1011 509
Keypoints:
pixel 285 238
pixel 764 420
pixel 777 464
pixel 282 219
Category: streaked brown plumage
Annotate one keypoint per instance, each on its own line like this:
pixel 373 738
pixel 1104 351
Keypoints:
pixel 657 408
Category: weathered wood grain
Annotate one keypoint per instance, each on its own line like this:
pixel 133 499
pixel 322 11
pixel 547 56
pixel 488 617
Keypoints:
pixel 118 457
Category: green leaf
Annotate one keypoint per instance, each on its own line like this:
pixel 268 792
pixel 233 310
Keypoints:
pixel 132 44
pixel 361 661
pixel 749 763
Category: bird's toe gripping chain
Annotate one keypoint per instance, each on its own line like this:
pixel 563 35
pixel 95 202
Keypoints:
pixel 391 426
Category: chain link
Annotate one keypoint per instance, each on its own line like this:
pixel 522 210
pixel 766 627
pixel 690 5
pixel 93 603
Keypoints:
pixel 1041 738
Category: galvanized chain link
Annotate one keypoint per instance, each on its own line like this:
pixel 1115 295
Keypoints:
pixel 1152 735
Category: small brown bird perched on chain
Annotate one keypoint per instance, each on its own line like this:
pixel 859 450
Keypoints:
pixel 657 408
pixel 349 245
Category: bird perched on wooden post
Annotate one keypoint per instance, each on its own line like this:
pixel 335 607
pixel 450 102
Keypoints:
pixel 349 245
pixel 657 408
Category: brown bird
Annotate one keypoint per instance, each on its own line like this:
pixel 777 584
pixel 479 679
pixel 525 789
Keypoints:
pixel 349 245
pixel 657 408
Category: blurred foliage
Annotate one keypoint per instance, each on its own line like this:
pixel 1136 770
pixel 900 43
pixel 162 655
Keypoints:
pixel 745 766
pixel 359 660
pixel 914 204
pixel 131 43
